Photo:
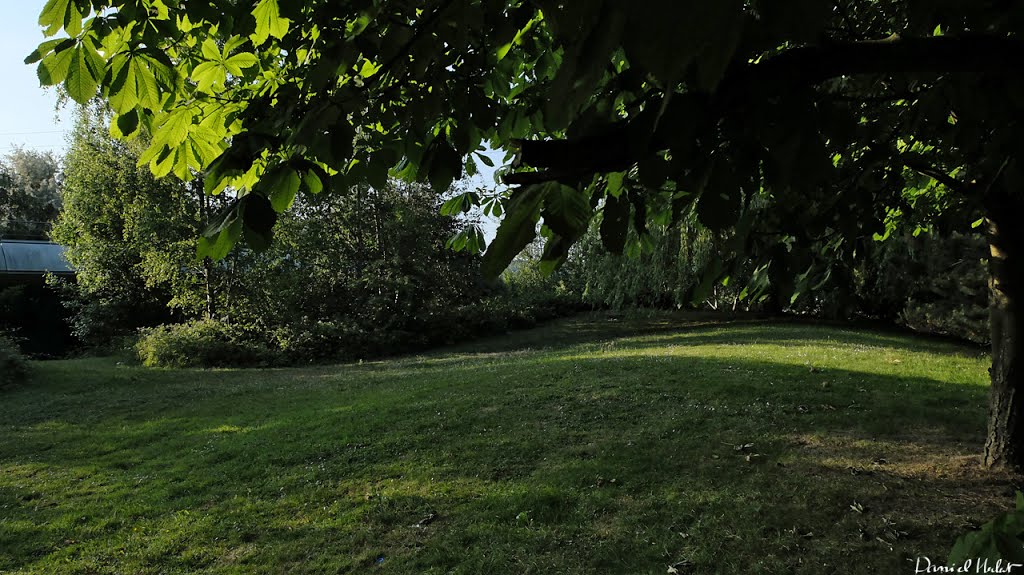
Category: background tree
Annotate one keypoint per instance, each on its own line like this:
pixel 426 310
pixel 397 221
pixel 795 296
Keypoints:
pixel 29 193
pixel 634 109
pixel 662 271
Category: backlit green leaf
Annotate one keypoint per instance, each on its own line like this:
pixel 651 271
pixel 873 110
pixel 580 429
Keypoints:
pixel 516 231
pixel 239 62
pixel 281 184
pixel 174 129
pixel 311 181
pixel 54 68
pixel 46 48
pixel 125 125
pixel 268 22
pixel 221 235
pixel 54 15
pixel 84 73
pixel 147 90
pixel 209 77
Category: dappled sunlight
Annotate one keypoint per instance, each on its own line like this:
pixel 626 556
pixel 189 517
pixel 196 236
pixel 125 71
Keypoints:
pixel 815 357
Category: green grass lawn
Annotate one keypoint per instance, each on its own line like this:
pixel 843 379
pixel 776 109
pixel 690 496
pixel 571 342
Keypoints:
pixel 588 446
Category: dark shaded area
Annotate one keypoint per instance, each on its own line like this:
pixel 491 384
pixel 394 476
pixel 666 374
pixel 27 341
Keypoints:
pixel 32 312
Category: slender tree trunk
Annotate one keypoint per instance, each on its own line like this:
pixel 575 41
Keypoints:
pixel 211 304
pixel 229 276
pixel 204 219
pixel 1005 444
pixel 778 277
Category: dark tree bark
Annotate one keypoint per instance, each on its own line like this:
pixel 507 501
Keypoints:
pixel 1005 444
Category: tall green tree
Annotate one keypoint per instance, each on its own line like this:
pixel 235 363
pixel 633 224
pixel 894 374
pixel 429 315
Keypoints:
pixel 130 236
pixel 854 116
pixel 374 259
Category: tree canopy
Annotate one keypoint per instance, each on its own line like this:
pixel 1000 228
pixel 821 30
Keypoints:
pixel 374 259
pixel 789 128
pixel 640 110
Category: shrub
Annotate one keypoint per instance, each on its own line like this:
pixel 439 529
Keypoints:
pixel 963 320
pixel 930 284
pixel 13 366
pixel 313 342
pixel 204 343
pixel 492 316
pixel 218 344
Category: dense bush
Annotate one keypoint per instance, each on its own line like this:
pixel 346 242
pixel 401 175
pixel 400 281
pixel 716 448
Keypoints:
pixel 203 343
pixel 99 318
pixel 931 284
pixel 349 275
pixel 371 259
pixel 375 259
pixel 320 341
pixel 210 343
pixel 13 366
pixel 130 236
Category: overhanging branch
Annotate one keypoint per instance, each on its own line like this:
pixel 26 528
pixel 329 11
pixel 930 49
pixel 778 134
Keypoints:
pixel 814 64
pixel 797 67
pixel 936 174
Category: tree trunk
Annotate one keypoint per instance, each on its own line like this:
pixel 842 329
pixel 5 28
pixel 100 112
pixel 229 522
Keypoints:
pixel 1005 444
pixel 211 302
pixel 204 219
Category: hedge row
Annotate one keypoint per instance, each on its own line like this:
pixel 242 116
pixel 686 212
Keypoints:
pixel 209 343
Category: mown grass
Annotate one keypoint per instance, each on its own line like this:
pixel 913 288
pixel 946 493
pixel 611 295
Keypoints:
pixel 588 446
